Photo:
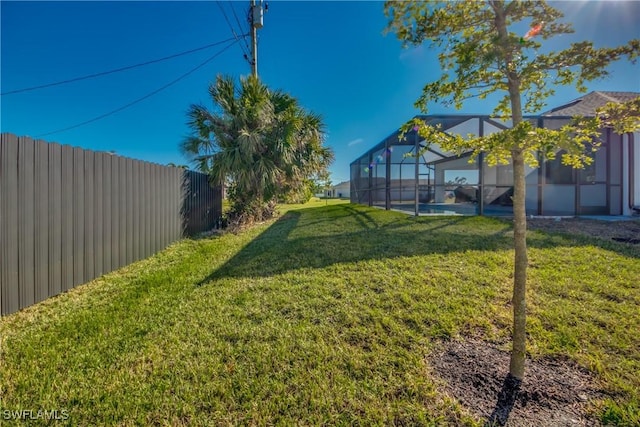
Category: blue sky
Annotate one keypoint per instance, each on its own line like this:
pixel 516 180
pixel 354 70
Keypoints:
pixel 332 56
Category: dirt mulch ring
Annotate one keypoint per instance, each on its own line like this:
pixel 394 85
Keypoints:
pixel 619 231
pixel 554 392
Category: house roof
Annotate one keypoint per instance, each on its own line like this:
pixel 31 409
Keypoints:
pixel 587 105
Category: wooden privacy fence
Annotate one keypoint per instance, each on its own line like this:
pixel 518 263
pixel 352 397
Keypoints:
pixel 68 215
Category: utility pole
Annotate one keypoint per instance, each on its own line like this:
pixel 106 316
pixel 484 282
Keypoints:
pixel 256 23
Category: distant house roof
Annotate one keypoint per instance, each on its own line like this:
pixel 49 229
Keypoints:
pixel 587 105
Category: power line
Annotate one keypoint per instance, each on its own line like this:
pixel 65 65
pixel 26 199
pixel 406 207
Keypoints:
pixel 226 18
pixel 150 94
pixel 233 9
pixel 129 67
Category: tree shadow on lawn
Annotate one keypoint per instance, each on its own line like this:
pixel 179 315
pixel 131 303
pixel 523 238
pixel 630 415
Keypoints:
pixel 333 214
pixel 318 237
pixel 506 401
pixel 555 390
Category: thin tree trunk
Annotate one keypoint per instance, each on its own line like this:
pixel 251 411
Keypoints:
pixel 518 352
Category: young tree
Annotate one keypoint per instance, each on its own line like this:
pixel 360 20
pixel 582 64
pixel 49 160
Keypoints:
pixel 261 142
pixel 480 54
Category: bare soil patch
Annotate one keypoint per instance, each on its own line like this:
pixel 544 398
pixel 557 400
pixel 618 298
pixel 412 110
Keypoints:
pixel 554 393
pixel 620 231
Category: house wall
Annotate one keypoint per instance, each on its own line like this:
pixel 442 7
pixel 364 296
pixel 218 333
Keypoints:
pixel 626 210
pixel 636 168
pixel 631 173
pixel 342 190
pixel 616 163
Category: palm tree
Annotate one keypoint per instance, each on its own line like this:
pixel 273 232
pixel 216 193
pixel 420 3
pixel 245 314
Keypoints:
pixel 259 142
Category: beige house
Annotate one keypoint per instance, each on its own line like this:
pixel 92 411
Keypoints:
pixel 342 191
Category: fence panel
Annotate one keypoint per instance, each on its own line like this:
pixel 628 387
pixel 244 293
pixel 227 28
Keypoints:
pixel 146 209
pixel 135 187
pixel 98 224
pixel 122 211
pixel 159 208
pixel 131 251
pixel 160 203
pixel 169 206
pixel 10 235
pixel 41 221
pixel 54 191
pixel 68 215
pixel 26 224
pixel 115 213
pixel 107 199
pixel 153 206
pixel 89 216
pixel 185 209
pixel 78 216
pixel 177 200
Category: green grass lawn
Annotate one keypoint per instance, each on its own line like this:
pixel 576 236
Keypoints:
pixel 325 316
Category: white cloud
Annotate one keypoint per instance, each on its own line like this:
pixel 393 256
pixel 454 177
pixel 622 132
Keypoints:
pixel 355 141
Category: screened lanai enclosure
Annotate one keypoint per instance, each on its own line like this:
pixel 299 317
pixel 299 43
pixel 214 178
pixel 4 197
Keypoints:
pixel 391 176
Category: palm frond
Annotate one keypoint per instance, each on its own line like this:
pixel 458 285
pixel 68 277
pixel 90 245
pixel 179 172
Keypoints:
pixel 261 141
